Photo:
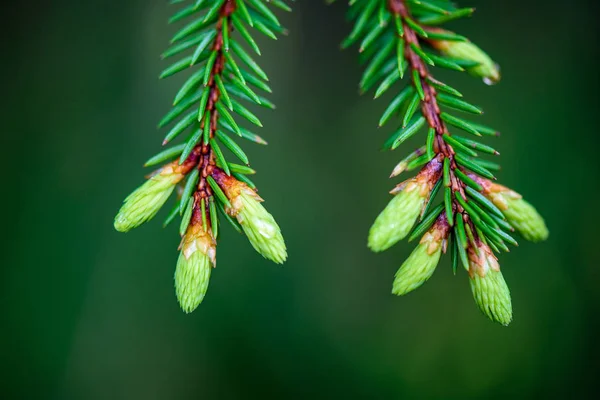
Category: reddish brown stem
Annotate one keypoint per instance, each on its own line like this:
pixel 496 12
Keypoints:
pixel 206 163
pixel 429 105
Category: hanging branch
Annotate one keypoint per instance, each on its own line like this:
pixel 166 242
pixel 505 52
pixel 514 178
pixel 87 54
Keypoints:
pixel 476 216
pixel 209 186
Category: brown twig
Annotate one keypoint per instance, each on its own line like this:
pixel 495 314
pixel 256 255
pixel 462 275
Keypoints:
pixel 206 164
pixel 429 105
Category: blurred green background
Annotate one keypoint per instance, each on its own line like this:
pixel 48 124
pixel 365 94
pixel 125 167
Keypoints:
pixel 88 313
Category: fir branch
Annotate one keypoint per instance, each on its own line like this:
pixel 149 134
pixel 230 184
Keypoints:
pixel 476 217
pixel 207 104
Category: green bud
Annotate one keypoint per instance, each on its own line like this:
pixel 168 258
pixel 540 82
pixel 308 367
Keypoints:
pixel 258 225
pixel 191 280
pixel 525 219
pixel 192 275
pixel 519 213
pixel 397 219
pixel 493 297
pixel 143 204
pixel 486 68
pixel 421 263
pixel 488 286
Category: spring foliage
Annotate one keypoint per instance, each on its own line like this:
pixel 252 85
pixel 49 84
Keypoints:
pixel 453 202
pixel 475 218
pixel 214 46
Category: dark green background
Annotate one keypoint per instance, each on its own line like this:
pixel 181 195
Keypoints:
pixel 88 313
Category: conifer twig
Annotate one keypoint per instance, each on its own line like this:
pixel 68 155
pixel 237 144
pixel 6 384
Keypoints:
pixel 476 216
pixel 208 185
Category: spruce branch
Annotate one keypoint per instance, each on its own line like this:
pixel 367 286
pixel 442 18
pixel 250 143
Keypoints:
pixel 476 217
pixel 208 106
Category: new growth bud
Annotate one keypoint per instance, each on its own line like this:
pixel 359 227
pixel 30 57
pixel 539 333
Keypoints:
pixel 519 213
pixel 143 204
pixel 421 263
pixel 259 226
pixel 196 260
pixel 399 216
pixel 488 286
pixel 485 67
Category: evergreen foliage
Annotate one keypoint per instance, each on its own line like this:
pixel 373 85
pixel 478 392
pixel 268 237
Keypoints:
pixel 475 217
pixel 215 42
